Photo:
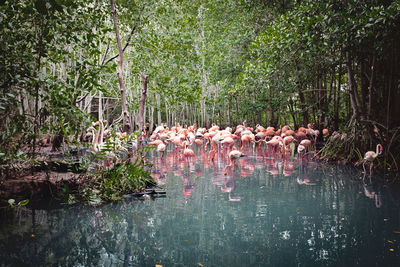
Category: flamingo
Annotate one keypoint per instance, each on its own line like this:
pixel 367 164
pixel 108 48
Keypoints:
pixel 300 150
pixel 287 141
pixel 300 135
pixel 233 156
pixel 312 133
pixel 306 143
pixel 273 143
pixel 370 156
pixel 98 139
pixel 161 148
pixel 198 142
pixel 247 138
pixel 187 152
pixel 227 142
pixel 156 143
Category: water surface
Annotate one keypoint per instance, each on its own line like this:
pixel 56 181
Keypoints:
pixel 264 212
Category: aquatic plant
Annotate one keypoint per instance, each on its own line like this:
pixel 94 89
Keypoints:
pixel 116 169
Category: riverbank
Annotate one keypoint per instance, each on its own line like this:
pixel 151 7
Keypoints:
pixel 70 177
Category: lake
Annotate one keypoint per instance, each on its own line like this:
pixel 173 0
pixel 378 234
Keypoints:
pixel 265 211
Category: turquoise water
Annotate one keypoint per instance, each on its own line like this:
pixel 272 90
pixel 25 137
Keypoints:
pixel 264 212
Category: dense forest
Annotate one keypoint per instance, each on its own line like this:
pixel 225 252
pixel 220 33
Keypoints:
pixel 66 64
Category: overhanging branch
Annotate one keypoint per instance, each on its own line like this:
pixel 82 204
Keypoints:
pixel 129 38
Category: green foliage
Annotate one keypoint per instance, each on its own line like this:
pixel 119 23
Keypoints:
pixel 49 54
pixel 268 62
pixel 113 172
pixel 122 179
pixel 304 45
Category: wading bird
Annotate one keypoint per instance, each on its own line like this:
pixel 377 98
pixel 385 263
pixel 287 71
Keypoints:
pixel 370 156
pixel 233 156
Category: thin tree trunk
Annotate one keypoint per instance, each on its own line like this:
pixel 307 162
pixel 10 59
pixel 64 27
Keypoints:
pixel 303 107
pixel 140 117
pixel 100 114
pixel 151 119
pixel 370 86
pixel 158 109
pixel 182 116
pixel 126 122
pixel 166 113
pixel 354 97
pixel 237 109
pixel 37 88
pixel 291 108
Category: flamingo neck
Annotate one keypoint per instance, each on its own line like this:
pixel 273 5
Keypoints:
pixel 378 152
pixel 93 137
pixel 99 136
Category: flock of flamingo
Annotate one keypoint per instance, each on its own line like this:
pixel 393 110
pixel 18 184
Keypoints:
pixel 225 143
pixel 220 150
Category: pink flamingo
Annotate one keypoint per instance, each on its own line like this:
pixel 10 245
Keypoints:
pixel 246 139
pixel 307 144
pixel 228 142
pixel 187 152
pixel 233 156
pixel 370 156
pixel 198 142
pixel 155 143
pixel 161 148
pixel 287 141
pixel 274 144
pixel 300 150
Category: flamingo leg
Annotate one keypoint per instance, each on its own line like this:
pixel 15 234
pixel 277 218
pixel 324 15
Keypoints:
pixel 370 171
pixel 364 166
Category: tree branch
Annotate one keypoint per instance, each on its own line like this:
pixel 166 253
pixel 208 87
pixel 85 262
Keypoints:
pixel 129 38
pixel 105 54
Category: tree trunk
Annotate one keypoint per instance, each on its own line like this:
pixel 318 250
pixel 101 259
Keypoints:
pixel 126 122
pixel 291 108
pixel 337 99
pixel 158 109
pixel 140 118
pixel 303 106
pixel 354 97
pixel 100 114
pixel 370 86
pixel 37 87
pixel 151 119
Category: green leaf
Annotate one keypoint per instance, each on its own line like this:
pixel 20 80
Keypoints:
pixel 23 202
